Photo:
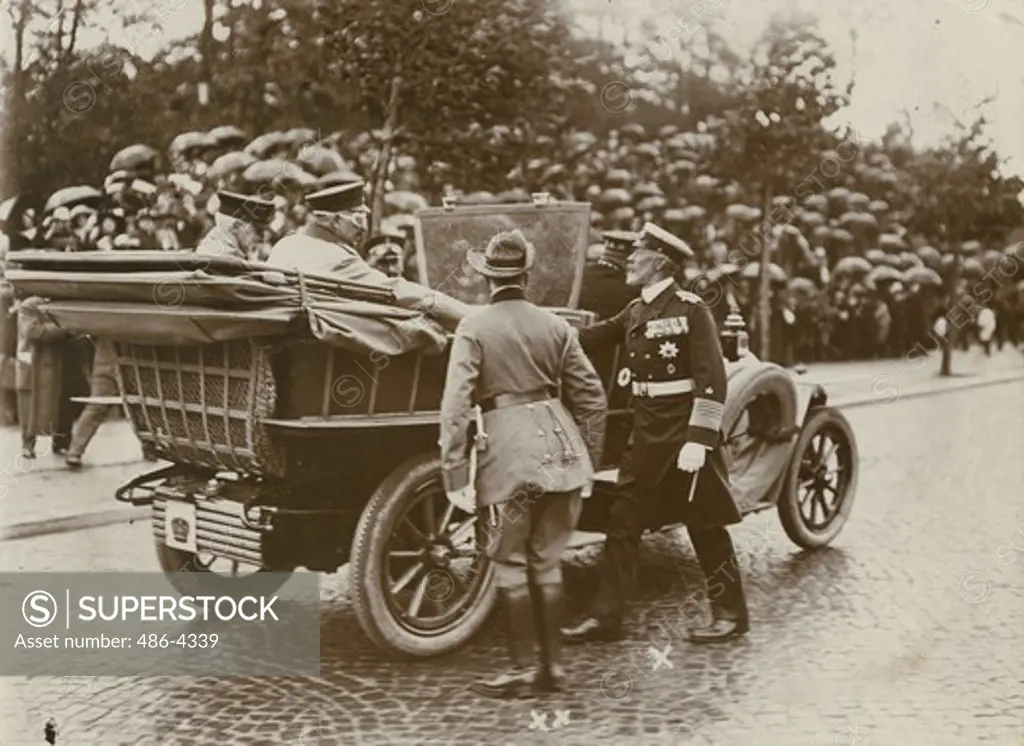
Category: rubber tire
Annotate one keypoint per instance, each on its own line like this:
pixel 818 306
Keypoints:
pixel 375 526
pixel 789 508
pixel 178 565
pixel 749 383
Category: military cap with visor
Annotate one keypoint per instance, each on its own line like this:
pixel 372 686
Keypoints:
pixel 656 238
pixel 337 199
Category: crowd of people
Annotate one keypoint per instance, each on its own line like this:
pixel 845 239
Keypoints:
pixel 847 280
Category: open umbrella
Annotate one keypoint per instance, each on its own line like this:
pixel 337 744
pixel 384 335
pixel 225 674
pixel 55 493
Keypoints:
pixel 816 202
pixel 853 265
pixel 299 134
pixel 134 157
pixel 654 202
pixel 892 242
pixel 812 219
pixel 263 144
pixel 878 206
pixel 838 234
pixel 883 274
pixel 802 287
pixel 228 134
pixel 320 160
pixel 972 268
pixel 647 189
pixel 405 201
pixel 859 200
pixel 922 276
pixel 229 163
pixel 775 272
pixel 71 196
pixel 876 256
pixel 275 169
pixel 908 259
pixel 615 197
pixel 619 177
pixel 849 219
pixel 187 142
pixel 930 255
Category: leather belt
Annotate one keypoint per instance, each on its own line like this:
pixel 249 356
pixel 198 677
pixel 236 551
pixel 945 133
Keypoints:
pixel 501 401
pixel 662 388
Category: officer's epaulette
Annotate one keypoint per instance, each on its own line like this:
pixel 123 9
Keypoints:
pixel 687 297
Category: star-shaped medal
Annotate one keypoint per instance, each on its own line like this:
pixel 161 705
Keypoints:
pixel 668 350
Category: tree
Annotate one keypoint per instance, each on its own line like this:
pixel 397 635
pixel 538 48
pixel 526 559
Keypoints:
pixel 423 77
pixel 772 141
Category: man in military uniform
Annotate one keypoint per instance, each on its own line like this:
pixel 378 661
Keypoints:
pixel 235 233
pixel 604 290
pixel 677 374
pixel 384 252
pixel 324 246
pixel 543 416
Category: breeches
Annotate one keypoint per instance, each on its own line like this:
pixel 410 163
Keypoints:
pixel 531 535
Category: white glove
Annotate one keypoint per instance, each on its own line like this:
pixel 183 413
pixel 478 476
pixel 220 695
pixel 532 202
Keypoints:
pixel 691 457
pixel 464 499
pixel 587 490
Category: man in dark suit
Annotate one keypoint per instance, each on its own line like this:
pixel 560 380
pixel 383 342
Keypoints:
pixel 543 412
pixel 604 289
pixel 677 374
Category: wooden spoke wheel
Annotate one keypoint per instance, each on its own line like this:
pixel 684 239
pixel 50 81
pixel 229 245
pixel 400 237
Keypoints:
pixel 421 585
pixel 822 480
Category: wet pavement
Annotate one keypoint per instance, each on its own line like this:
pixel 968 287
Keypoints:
pixel 906 631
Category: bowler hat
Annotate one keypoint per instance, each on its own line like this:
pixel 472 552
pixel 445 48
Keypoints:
pixel 507 255
pixel 244 207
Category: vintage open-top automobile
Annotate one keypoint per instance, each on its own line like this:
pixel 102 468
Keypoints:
pixel 299 417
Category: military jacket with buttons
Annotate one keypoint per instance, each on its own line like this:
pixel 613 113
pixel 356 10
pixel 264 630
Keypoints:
pixel 672 338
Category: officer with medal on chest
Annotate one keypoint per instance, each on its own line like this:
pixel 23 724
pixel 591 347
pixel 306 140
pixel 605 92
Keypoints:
pixel 677 375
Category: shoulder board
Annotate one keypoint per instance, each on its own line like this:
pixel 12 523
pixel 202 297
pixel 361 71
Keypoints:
pixel 687 297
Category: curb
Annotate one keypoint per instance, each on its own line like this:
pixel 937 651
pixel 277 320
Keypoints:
pixel 99 519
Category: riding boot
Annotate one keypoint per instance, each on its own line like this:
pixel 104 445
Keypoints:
pixel 548 612
pixel 517 682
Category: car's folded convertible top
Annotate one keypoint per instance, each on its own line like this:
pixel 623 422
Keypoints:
pixel 184 298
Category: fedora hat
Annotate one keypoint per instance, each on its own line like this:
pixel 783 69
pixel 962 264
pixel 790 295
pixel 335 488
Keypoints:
pixel 508 254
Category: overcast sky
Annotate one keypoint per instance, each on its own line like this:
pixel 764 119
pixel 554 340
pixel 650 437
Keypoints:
pixel 934 58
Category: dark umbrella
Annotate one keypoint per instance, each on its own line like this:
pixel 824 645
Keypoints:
pixel 134 157
pixel 922 276
pixel 71 196
pixel 229 163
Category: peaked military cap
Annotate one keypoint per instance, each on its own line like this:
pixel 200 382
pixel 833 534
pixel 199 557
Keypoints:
pixel 384 238
pixel 658 239
pixel 245 207
pixel 621 237
pixel 341 198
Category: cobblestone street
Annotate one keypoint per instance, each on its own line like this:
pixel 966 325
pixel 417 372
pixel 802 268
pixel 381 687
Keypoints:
pixel 906 631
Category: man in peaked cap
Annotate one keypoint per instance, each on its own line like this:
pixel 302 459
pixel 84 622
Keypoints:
pixel 238 220
pixel 325 246
pixel 385 252
pixel 676 372
pixel 604 290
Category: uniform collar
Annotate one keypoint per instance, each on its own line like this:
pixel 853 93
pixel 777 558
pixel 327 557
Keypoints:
pixel 512 292
pixel 651 292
